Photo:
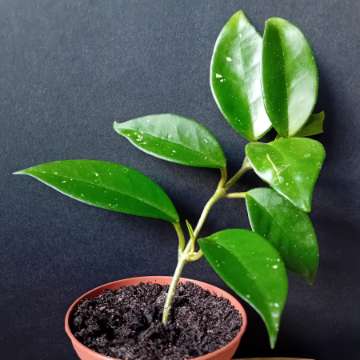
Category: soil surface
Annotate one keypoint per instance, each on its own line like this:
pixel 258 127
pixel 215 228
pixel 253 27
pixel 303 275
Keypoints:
pixel 126 324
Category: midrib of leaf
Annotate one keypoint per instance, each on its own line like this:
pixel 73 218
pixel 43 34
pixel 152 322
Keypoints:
pixel 286 100
pixel 249 34
pixel 270 323
pixel 262 295
pixel 108 188
pixel 150 136
pixel 262 207
pixel 269 214
pixel 285 158
pixel 303 272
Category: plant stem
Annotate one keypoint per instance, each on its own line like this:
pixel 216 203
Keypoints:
pixel 187 253
pixel 180 235
pixel 238 195
pixel 182 260
pixel 245 167
pixel 218 194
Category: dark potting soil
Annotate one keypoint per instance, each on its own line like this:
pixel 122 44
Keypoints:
pixel 126 323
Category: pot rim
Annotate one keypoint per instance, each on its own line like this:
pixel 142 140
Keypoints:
pixel 155 279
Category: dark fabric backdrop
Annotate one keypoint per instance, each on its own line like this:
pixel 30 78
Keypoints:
pixel 67 70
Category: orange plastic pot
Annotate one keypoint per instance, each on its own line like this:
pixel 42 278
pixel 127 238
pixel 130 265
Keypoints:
pixel 224 353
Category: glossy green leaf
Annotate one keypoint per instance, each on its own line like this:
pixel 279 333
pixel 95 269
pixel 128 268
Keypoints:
pixel 289 76
pixel 106 185
pixel 235 77
pixel 252 267
pixel 288 229
pixel 174 138
pixel 314 126
pixel 291 167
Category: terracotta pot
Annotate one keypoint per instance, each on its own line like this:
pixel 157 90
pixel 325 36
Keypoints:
pixel 224 353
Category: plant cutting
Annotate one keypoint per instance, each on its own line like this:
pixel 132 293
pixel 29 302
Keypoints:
pixel 261 85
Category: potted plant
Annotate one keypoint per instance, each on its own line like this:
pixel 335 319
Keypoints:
pixel 259 84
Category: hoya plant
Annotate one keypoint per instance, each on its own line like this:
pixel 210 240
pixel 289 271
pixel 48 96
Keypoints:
pixel 259 84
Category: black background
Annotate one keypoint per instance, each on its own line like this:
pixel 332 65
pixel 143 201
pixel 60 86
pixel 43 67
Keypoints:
pixel 67 70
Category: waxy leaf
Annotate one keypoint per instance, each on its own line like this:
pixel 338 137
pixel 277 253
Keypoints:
pixel 314 126
pixel 106 185
pixel 289 76
pixel 288 229
pixel 174 138
pixel 252 267
pixel 235 77
pixel 291 167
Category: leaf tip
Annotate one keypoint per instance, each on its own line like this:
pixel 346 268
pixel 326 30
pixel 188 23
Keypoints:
pixel 310 278
pixel 19 172
pixel 116 126
pixel 119 127
pixel 273 339
pixel 239 14
pixel 275 20
pixel 273 334
pixel 311 281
